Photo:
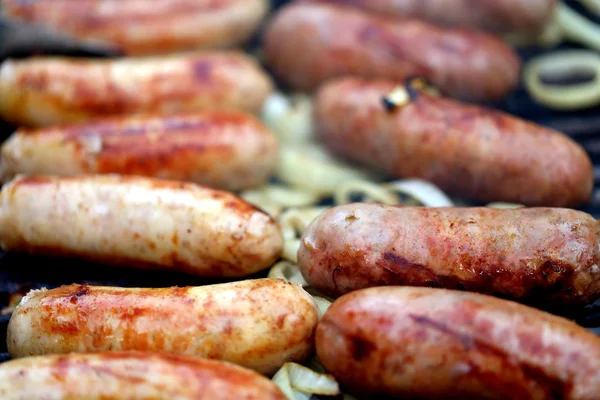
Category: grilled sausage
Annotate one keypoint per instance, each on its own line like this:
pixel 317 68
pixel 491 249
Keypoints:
pixel 43 91
pixel 130 375
pixel 437 344
pixel 138 222
pixel 467 150
pixel 502 16
pixel 226 150
pixel 337 41
pixel 258 324
pixel 148 27
pixel 543 255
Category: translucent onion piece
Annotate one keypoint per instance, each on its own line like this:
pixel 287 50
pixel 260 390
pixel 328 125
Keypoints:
pixel 312 168
pixel 289 117
pixel 424 192
pixel 288 271
pixel 571 97
pixel 294 222
pixel 592 6
pixel 576 27
pixel 322 303
pixel 308 381
pixel 371 192
pixel 260 200
pixel 290 249
pixel 504 205
pixel 282 380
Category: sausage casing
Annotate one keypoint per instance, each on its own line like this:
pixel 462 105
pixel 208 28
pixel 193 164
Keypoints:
pixel 432 343
pixel 224 150
pixel 138 222
pixel 148 27
pixel 502 16
pixel 337 41
pixel 130 375
pixel 41 91
pixel 258 324
pixel 470 151
pixel 541 255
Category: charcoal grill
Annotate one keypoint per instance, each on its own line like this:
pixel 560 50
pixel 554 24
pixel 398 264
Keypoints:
pixel 583 126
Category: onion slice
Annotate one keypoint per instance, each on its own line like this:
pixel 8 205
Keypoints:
pixel 592 6
pixel 576 27
pixel 288 271
pixel 424 192
pixel 571 97
pixel 298 382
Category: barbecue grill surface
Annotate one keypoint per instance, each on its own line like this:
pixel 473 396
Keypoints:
pixel 583 126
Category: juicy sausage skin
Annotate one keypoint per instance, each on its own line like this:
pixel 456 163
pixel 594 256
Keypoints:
pixel 130 375
pixel 538 255
pixel 470 151
pixel 224 150
pixel 337 41
pixel 41 91
pixel 426 343
pixel 259 324
pixel 138 222
pixel 501 16
pixel 139 29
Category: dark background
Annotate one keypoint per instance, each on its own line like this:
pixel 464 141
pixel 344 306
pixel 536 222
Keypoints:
pixel 19 273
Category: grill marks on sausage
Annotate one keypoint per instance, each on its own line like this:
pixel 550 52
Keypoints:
pixel 523 374
pixel 184 83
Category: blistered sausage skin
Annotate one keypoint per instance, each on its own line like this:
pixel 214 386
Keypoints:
pixel 467 150
pixel 138 222
pixel 258 324
pixel 41 91
pixel 425 343
pixel 130 375
pixel 224 150
pixel 142 27
pixel 337 41
pixel 500 16
pixel 540 255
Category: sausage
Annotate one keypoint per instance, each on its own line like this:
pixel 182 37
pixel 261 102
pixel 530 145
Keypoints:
pixel 500 16
pixel 221 149
pixel 142 27
pixel 41 91
pixel 467 150
pixel 538 255
pixel 337 41
pixel 138 222
pixel 259 324
pixel 130 375
pixel 424 343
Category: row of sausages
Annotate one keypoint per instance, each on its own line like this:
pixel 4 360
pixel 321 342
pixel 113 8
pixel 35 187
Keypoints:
pixel 392 342
pixel 172 25
pixel 467 150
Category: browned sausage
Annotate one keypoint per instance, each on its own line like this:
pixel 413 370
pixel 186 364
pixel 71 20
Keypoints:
pixel 540 255
pixel 140 222
pixel 130 375
pixel 42 91
pixel 306 44
pixel 148 26
pixel 225 150
pixel 256 323
pixel 423 343
pixel 467 150
pixel 491 15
